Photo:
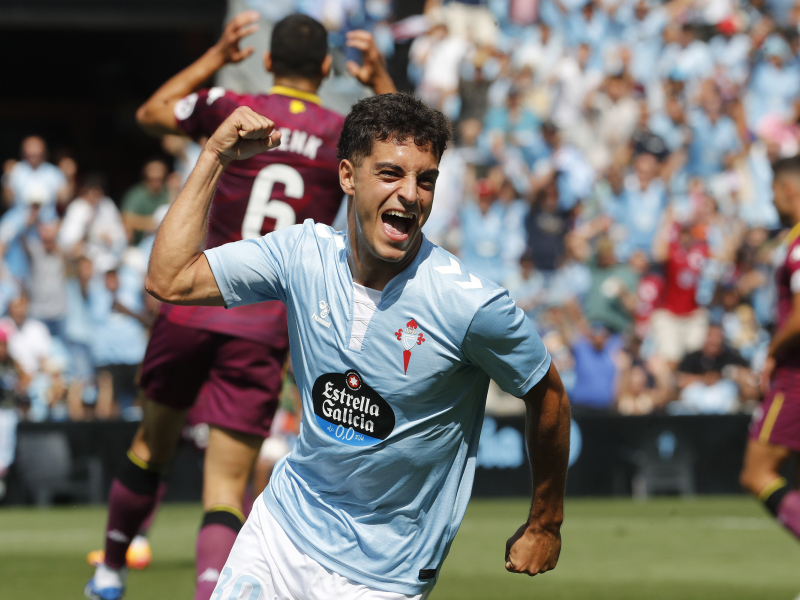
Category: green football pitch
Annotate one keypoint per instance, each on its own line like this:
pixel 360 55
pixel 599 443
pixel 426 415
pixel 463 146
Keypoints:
pixel 704 549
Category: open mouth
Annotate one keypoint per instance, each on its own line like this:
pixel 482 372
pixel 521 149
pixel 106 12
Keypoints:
pixel 397 224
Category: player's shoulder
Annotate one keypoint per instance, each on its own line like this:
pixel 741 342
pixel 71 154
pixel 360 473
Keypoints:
pixel 453 284
pixel 209 99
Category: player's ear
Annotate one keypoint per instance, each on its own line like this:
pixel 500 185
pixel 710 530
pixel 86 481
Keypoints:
pixel 347 175
pixel 326 66
pixel 268 61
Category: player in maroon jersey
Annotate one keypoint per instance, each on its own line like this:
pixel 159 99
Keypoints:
pixel 775 429
pixel 231 360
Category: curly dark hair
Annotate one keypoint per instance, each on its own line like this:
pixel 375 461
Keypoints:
pixel 391 117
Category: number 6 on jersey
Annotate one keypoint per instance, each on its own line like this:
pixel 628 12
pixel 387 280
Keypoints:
pixel 261 205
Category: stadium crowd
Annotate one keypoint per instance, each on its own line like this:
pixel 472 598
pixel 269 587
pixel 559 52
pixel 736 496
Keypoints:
pixel 611 168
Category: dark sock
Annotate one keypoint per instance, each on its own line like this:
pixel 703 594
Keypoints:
pixel 772 495
pixel 132 498
pixel 784 503
pixel 220 527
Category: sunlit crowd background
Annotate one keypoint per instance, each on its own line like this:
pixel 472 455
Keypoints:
pixel 611 169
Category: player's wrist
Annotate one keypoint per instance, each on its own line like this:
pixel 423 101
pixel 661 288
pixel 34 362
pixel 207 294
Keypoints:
pixel 213 156
pixel 217 57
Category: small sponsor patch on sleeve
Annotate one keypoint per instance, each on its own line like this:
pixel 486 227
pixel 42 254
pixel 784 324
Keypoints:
pixel 185 107
pixel 794 282
pixel 427 574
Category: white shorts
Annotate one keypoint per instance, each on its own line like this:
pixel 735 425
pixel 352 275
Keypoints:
pixel 264 564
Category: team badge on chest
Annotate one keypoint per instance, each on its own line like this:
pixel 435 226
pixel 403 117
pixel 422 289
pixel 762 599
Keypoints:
pixel 410 337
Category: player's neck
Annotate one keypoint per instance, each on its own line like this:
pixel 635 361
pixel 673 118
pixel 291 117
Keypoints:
pixel 298 83
pixel 370 270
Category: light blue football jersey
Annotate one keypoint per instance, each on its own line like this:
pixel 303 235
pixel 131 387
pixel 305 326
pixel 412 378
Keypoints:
pixel 379 479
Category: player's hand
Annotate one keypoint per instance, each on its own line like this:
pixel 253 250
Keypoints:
pixel 766 374
pixel 373 72
pixel 239 27
pixel 243 134
pixel 533 550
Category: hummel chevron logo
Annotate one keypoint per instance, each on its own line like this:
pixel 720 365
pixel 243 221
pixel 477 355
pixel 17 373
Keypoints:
pixel 473 284
pixel 454 269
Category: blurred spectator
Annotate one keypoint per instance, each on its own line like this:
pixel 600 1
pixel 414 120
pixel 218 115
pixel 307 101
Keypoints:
pixel 643 385
pixel 79 333
pixel 92 225
pixel 547 225
pixel 611 299
pixel 19 224
pixel 638 214
pixel 597 356
pixel 709 379
pixel 142 200
pixel 47 281
pixel 680 325
pixel 34 175
pixel 715 141
pixel 118 344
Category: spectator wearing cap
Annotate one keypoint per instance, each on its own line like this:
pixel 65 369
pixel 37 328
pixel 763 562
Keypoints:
pixel 33 175
pixel 142 200
pixel 731 50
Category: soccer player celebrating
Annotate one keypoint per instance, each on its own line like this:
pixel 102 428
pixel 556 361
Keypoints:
pixel 775 429
pixel 231 361
pixel 393 343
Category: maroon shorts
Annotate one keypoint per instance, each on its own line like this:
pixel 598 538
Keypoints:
pixel 776 421
pixel 236 382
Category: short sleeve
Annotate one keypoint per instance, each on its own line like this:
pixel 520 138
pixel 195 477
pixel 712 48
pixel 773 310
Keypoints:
pixel 255 270
pixel 201 113
pixel 502 341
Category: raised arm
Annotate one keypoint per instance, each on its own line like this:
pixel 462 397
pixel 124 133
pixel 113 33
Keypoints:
pixel 372 72
pixel 536 545
pixel 157 116
pixel 179 272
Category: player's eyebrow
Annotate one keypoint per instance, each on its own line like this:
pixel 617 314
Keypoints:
pixel 394 167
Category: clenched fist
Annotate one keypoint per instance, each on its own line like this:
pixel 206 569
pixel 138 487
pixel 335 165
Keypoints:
pixel 533 550
pixel 243 134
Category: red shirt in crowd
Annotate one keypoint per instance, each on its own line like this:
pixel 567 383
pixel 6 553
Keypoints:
pixel 682 272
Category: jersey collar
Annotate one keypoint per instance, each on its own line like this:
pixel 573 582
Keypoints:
pixel 293 93
pixel 793 234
